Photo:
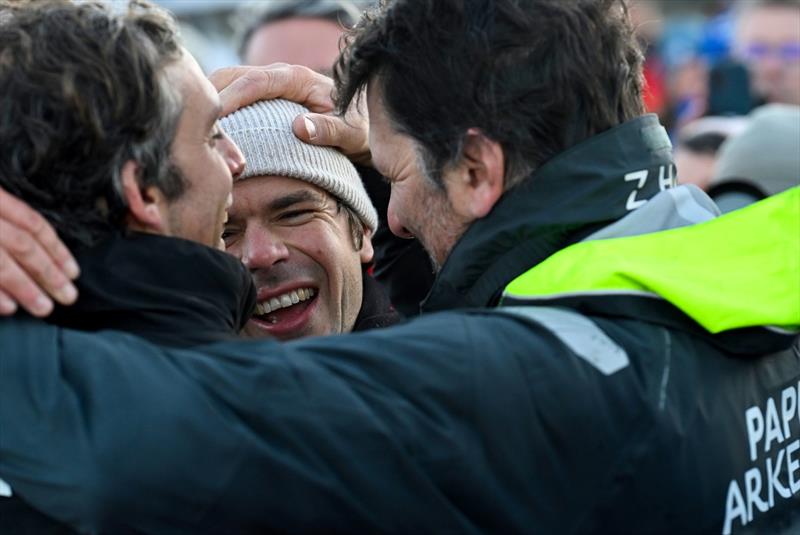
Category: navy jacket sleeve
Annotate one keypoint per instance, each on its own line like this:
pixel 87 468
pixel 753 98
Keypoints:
pixel 391 430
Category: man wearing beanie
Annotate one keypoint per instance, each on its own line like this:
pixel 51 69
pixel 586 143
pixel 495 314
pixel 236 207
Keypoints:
pixel 301 222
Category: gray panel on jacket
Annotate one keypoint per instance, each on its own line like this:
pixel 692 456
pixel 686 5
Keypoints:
pixel 577 332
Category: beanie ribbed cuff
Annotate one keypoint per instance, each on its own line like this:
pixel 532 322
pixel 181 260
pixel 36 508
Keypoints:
pixel 263 132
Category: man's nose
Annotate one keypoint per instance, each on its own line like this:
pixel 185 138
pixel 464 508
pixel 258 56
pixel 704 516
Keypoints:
pixel 395 223
pixel 261 249
pixel 233 157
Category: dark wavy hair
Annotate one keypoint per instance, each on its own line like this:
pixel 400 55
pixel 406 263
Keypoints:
pixel 537 76
pixel 83 91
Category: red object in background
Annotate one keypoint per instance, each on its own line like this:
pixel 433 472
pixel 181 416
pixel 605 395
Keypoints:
pixel 654 89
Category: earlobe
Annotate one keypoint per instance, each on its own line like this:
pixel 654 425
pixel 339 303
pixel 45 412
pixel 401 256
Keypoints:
pixel 482 175
pixel 144 210
pixel 366 252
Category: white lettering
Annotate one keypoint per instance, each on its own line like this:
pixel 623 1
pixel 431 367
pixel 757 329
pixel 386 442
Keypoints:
pixel 734 507
pixel 793 465
pixel 773 425
pixel 788 408
pixel 667 181
pixel 769 428
pixel 773 481
pixel 634 203
pixel 755 429
pixel 752 483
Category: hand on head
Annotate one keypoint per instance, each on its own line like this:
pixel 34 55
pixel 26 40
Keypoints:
pixel 244 85
pixel 35 266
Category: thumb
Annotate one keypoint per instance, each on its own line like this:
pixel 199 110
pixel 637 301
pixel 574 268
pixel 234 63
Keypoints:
pixel 332 131
pixel 305 128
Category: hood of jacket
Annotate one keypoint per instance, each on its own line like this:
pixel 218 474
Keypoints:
pixel 733 279
pixel 590 185
pixel 167 290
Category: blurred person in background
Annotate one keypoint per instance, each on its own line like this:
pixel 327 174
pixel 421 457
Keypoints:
pixel 697 145
pixel 300 32
pixel 762 160
pixel 767 41
pixel 695 157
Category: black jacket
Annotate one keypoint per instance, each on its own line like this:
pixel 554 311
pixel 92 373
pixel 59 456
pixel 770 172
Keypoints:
pixel 166 290
pixel 591 411
pixel 376 310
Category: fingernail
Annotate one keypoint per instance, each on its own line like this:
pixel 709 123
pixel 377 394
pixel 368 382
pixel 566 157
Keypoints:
pixel 72 269
pixel 310 127
pixel 66 294
pixel 7 306
pixel 43 306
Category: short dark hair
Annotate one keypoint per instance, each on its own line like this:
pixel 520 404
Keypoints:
pixel 537 76
pixel 84 90
pixel 342 12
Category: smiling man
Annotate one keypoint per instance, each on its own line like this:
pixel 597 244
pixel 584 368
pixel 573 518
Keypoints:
pixel 301 222
pixel 110 130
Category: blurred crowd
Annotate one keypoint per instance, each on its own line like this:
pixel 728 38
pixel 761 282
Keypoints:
pixel 724 78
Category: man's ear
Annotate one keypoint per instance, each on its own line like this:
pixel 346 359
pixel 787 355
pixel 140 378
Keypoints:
pixel 366 252
pixel 145 206
pixel 477 182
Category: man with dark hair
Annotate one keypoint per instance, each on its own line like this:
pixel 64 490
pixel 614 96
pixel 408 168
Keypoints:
pixel 590 371
pixel 308 32
pixel 302 223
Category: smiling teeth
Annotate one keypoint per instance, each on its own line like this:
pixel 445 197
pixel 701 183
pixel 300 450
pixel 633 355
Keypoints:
pixel 283 301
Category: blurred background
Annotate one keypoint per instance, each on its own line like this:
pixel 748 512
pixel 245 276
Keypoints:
pixel 710 64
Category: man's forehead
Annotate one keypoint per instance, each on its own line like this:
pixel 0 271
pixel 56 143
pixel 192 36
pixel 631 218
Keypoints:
pixel 380 129
pixel 770 23
pixel 199 95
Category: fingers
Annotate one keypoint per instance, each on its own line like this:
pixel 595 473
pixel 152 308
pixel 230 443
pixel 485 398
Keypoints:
pixel 349 136
pixel 22 216
pixel 35 267
pixel 26 262
pixel 244 85
pixel 20 288
pixel 222 78
pixel 7 305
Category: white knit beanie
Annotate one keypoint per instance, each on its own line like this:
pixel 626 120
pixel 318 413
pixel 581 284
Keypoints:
pixel 263 132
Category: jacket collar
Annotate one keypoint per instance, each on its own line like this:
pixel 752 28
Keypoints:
pixel 594 183
pixel 167 290
pixel 376 309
